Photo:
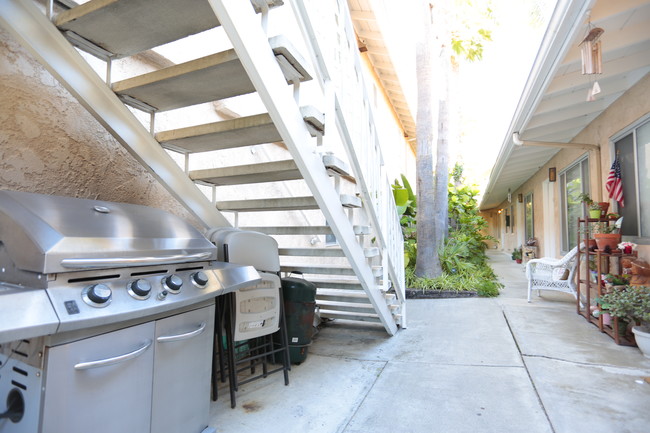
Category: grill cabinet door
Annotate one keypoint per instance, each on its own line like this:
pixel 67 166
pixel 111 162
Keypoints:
pixel 182 369
pixel 100 384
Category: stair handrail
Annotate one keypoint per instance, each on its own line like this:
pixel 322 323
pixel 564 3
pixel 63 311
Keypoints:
pixel 354 121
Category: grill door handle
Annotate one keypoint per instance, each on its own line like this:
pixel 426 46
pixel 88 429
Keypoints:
pixel 185 336
pixel 121 262
pixel 115 359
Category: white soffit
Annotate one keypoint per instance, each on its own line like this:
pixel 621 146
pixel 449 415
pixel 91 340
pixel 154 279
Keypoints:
pixel 554 106
pixel 371 39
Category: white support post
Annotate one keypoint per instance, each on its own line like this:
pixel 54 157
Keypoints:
pixel 152 127
pixel 109 70
pixel 44 41
pixel 252 47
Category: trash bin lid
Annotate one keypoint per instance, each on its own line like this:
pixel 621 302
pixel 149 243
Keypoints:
pixel 297 289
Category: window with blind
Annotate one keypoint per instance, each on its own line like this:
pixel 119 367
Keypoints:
pixel 633 151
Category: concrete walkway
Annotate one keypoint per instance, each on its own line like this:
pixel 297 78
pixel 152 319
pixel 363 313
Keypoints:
pixel 463 365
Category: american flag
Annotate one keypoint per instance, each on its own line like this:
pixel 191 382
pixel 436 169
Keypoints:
pixel 614 184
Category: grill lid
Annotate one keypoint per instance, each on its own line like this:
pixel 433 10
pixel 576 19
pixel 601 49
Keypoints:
pixel 51 234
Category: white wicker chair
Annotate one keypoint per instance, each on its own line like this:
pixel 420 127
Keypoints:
pixel 552 274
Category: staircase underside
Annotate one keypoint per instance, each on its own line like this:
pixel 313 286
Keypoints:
pixel 350 277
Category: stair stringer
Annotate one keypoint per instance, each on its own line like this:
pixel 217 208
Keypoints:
pixel 251 44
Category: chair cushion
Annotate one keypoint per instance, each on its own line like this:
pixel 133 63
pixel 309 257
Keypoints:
pixel 560 274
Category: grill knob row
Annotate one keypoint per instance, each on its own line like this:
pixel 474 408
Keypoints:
pixel 100 295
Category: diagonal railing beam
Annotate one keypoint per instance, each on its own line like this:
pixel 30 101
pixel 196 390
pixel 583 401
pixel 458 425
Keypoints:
pixel 251 44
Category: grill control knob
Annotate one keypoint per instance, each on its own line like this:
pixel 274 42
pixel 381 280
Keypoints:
pixel 200 279
pixel 173 283
pixel 98 294
pixel 140 287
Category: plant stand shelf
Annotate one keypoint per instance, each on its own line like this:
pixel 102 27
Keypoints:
pixel 586 286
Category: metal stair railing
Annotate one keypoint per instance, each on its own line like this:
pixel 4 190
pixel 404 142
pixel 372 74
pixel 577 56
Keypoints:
pixel 339 71
pixel 251 45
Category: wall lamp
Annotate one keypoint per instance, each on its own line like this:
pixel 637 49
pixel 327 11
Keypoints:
pixel 552 174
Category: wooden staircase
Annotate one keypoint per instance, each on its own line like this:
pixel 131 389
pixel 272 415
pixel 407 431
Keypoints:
pixel 352 278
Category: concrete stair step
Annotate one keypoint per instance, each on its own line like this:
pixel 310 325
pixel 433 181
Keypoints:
pixel 126 27
pixel 345 315
pixel 277 204
pixel 339 284
pixel 311 252
pixel 214 77
pixel 346 307
pixel 291 230
pixel 250 173
pixel 335 165
pixel 302 230
pixel 269 204
pixel 324 269
pixel 340 295
pixel 227 134
pixel 351 201
pixel 324 252
pixel 273 171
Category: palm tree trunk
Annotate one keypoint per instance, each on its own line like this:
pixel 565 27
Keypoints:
pixel 433 54
pixel 426 116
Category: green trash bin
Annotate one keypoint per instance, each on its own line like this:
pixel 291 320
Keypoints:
pixel 299 305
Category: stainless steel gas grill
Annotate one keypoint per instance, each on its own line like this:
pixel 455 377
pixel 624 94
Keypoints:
pixel 106 317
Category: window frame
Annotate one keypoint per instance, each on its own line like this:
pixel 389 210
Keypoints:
pixel 532 216
pixel 586 187
pixel 631 129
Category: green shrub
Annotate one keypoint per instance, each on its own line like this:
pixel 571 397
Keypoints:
pixel 462 256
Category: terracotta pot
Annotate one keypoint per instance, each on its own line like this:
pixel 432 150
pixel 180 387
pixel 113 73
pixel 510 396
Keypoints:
pixel 591 244
pixel 607 239
pixel 603 208
pixel 518 260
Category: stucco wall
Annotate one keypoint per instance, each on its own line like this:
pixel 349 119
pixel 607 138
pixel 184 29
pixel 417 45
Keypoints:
pixel 631 106
pixel 50 144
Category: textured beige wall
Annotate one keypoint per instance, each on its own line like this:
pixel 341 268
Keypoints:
pixel 50 144
pixel 634 104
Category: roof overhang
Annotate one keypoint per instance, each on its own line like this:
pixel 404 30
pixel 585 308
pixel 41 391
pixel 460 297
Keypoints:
pixel 553 106
pixel 373 38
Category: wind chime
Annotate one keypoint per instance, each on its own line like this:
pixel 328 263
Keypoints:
pixel 592 60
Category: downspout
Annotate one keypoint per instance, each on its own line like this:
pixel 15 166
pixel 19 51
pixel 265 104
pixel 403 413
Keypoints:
pixel 594 148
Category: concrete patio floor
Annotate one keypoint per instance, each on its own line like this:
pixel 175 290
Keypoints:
pixel 462 365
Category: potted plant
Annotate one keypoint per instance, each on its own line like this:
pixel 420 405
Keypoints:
pixel 593 207
pixel 607 235
pixel 516 255
pixel 633 304
pixel 616 282
pixel 602 310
